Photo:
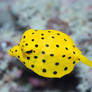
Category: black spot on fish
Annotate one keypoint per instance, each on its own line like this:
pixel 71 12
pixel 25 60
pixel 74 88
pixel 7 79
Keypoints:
pixel 57 63
pixel 47 45
pixel 73 52
pixel 65 40
pixel 15 50
pixel 43 60
pixel 32 39
pixel 49 31
pixel 42 38
pixel 55 72
pixel 35 57
pixel 34 51
pixel 21 49
pixel 78 58
pixel 23 62
pixel 63 55
pixel 69 57
pixel 51 54
pixel 58 33
pixel 52 37
pixel 74 62
pixel 44 70
pixel 43 52
pixel 66 48
pixel 28 58
pixel 26 44
pixel 36 45
pixel 33 33
pixel 74 46
pixel 65 68
pixel 18 56
pixel 32 66
pixel 42 34
pixel 57 45
pixel 24 36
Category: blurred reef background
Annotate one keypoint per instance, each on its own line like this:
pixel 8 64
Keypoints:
pixel 73 17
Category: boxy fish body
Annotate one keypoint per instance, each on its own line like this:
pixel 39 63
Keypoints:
pixel 49 53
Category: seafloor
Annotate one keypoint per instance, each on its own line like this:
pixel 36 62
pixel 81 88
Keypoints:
pixel 73 17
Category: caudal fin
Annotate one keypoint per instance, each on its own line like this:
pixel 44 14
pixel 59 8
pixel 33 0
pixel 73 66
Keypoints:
pixel 85 60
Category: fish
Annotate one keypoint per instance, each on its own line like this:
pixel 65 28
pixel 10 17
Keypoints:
pixel 48 53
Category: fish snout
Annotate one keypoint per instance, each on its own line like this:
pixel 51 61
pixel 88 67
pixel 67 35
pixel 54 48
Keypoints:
pixel 10 51
pixel 13 51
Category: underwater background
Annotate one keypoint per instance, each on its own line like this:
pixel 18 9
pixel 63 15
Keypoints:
pixel 73 17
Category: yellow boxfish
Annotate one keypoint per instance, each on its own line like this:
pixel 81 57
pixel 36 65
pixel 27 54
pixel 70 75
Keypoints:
pixel 49 53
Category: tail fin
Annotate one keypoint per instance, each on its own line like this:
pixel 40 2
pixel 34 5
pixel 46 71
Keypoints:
pixel 84 60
